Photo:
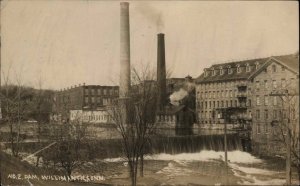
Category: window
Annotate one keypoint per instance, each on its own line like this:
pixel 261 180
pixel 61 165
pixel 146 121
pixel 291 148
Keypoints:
pixel 104 91
pixel 213 71
pixel 218 104
pixel 221 71
pixel 274 114
pixel 280 114
pixel 266 100
pixel 239 70
pixel 274 84
pixel 256 65
pixel 99 91
pixel 86 91
pixel 92 91
pixel 283 83
pixel 257 114
pixel 93 99
pixel 274 100
pixel 205 73
pixel 274 68
pixel 257 84
pixel 266 84
pixel 111 92
pixel 229 70
pixel 258 128
pixel 222 103
pixel 86 99
pixel 293 114
pixel 267 128
pixel 104 101
pixel 247 68
pixel 266 114
pixel 284 114
pixel 257 100
pixel 249 102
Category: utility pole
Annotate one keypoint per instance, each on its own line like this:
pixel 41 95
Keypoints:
pixel 288 155
pixel 288 137
pixel 224 116
pixel 225 149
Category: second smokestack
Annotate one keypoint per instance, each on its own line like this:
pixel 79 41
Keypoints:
pixel 161 71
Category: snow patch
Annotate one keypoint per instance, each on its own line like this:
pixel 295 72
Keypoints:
pixel 251 170
pixel 247 175
pixel 111 160
pixel 233 156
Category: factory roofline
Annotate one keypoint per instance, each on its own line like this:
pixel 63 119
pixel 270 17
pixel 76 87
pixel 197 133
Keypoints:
pixel 254 66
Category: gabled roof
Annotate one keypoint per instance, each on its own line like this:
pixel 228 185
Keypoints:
pixel 234 75
pixel 291 62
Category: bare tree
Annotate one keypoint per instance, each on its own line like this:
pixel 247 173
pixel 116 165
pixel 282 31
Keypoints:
pixel 286 126
pixel 15 104
pixel 140 122
pixel 38 103
pixel 67 152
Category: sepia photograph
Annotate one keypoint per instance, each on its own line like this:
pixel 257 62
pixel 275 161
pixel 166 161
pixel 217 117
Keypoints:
pixel 170 92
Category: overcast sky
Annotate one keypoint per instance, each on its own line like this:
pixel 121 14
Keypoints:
pixel 64 43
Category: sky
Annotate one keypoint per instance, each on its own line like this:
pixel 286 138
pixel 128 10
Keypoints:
pixel 66 43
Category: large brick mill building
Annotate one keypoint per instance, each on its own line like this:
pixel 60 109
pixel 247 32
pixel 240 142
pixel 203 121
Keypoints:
pixel 88 102
pixel 242 92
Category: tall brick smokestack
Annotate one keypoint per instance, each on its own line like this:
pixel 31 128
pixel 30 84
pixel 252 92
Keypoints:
pixel 124 51
pixel 161 71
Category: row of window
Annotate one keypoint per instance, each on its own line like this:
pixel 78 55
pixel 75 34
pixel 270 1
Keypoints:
pixel 221 84
pixel 105 101
pixel 221 71
pixel 220 94
pixel 267 100
pixel 101 91
pixel 222 104
pixel 164 118
pixel 98 118
pixel 266 83
pixel 213 114
pixel 266 128
pixel 276 114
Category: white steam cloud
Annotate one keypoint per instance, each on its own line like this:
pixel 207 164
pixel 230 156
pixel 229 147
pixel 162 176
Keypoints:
pixel 177 96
